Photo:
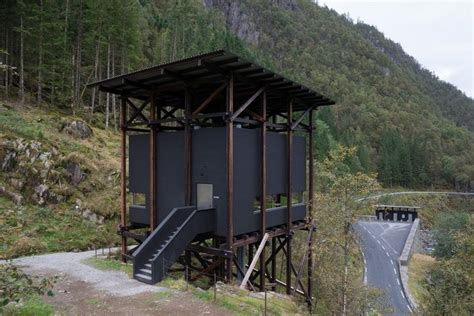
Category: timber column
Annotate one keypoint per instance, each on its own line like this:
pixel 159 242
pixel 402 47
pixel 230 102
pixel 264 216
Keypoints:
pixel 289 196
pixel 263 188
pixel 123 174
pixel 230 173
pixel 311 201
pixel 152 162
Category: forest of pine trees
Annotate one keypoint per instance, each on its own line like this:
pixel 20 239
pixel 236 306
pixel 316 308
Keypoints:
pixel 409 127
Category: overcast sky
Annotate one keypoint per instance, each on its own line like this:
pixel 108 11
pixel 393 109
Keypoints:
pixel 438 33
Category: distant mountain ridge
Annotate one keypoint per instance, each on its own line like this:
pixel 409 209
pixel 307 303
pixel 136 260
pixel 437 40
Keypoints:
pixel 379 87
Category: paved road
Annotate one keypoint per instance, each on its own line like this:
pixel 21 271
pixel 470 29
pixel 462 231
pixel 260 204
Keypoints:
pixel 376 196
pixel 382 244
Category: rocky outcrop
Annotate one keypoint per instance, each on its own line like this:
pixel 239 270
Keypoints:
pixel 238 21
pixel 242 21
pixel 15 197
pixel 77 129
pixel 76 174
pixel 87 213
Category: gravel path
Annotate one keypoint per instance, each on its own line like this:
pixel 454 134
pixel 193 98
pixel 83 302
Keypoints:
pixel 116 283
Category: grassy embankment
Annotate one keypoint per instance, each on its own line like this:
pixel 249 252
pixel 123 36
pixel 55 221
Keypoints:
pixel 417 269
pixel 43 154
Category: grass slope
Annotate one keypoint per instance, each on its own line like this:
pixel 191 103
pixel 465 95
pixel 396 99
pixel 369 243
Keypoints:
pixel 73 215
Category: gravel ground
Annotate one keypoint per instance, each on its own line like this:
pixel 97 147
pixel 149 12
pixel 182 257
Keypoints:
pixel 116 283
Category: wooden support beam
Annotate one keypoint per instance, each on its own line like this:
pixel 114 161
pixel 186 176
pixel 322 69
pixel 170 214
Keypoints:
pixel 254 115
pixel 247 103
pixel 239 268
pixel 300 119
pixel 310 203
pixel 138 111
pixel 188 134
pixel 171 112
pixel 292 269
pixel 289 195
pixel 302 261
pixel 210 250
pixel 254 261
pixel 136 84
pixel 272 256
pixel 230 173
pixel 208 269
pixel 263 185
pixel 123 172
pixel 152 167
pixel 273 262
pixel 209 99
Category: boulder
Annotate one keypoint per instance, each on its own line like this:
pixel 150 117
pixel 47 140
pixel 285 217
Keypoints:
pixel 15 197
pixel 75 173
pixel 41 194
pixel 77 129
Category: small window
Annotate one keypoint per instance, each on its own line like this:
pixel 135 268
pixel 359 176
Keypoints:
pixel 138 198
pixel 270 202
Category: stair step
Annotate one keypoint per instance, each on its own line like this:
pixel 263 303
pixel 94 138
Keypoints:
pixel 146 271
pixel 143 277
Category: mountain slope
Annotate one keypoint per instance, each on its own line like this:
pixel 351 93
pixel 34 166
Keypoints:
pixel 383 94
pixel 411 128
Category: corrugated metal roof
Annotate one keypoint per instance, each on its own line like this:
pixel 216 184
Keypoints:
pixel 202 73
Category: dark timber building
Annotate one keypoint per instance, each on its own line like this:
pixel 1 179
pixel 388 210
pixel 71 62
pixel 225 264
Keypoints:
pixel 214 165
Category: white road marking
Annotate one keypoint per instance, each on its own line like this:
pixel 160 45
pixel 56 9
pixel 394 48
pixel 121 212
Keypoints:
pixel 391 261
pixel 394 270
pixel 398 281
pixel 411 311
pixel 403 294
pixel 378 241
pixel 383 247
pixel 386 252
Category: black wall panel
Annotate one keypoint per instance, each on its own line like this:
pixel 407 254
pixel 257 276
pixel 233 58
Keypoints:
pixel 209 166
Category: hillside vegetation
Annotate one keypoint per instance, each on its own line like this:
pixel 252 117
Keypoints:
pixel 57 190
pixel 410 127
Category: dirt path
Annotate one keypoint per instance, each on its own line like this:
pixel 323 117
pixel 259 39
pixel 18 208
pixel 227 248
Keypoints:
pixel 85 290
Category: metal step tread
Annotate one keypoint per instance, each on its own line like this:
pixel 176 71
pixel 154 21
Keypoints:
pixel 143 276
pixel 145 271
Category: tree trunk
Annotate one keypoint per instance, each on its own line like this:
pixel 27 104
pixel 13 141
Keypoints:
pixel 77 83
pixel 65 60
pixel 108 94
pixel 40 56
pixel 96 72
pixel 113 95
pixel 347 225
pixel 346 272
pixel 6 63
pixel 22 78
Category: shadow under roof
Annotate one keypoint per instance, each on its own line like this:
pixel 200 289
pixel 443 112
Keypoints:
pixel 203 74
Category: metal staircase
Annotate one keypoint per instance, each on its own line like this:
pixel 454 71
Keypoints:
pixel 168 241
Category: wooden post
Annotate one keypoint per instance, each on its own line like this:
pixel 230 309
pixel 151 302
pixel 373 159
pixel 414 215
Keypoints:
pixel 263 186
pixel 289 196
pixel 152 164
pixel 188 147
pixel 230 173
pixel 123 173
pixel 311 205
pixel 273 269
pixel 254 261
